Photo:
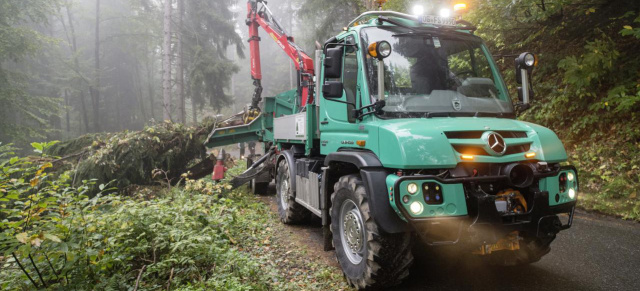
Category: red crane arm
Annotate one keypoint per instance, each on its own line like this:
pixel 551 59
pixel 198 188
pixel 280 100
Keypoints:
pixel 303 63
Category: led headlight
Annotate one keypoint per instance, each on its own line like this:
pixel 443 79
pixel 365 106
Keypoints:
pixel 416 207
pixel 570 176
pixel 412 188
pixel 572 193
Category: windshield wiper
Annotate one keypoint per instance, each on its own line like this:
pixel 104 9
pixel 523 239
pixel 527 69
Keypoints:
pixel 494 114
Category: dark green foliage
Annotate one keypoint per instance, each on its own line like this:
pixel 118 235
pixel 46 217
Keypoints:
pixel 207 35
pixel 24 115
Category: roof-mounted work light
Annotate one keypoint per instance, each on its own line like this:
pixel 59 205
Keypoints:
pixel 417 10
pixel 460 8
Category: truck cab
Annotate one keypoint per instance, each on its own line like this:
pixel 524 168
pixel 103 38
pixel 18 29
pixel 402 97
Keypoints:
pixel 437 147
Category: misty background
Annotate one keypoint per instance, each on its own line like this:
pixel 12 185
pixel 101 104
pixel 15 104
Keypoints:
pixel 72 67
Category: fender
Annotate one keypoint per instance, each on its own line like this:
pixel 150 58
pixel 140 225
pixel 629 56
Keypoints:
pixel 373 176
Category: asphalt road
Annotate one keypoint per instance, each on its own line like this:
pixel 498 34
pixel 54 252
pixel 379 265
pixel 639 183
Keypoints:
pixel 596 253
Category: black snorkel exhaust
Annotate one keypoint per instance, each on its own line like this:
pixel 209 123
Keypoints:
pixel 518 175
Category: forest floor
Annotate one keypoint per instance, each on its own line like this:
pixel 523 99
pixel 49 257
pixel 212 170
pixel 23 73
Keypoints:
pixel 293 251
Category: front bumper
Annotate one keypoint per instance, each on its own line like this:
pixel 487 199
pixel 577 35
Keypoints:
pixel 480 221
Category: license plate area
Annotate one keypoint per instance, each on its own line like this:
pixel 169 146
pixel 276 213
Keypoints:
pixel 438 20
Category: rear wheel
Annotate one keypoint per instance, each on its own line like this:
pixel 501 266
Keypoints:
pixel 259 188
pixel 369 258
pixel 290 212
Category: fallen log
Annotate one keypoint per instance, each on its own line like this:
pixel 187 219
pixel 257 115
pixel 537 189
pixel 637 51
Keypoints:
pixel 130 157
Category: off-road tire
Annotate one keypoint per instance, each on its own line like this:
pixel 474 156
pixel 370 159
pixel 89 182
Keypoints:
pixel 290 211
pixel 385 259
pixel 259 188
pixel 531 251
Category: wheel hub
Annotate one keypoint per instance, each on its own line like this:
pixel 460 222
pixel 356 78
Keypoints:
pixel 352 232
pixel 284 193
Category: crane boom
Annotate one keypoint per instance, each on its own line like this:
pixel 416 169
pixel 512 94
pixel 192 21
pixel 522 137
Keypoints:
pixel 262 17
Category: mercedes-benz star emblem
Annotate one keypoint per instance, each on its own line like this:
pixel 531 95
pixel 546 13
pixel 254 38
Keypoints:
pixel 496 143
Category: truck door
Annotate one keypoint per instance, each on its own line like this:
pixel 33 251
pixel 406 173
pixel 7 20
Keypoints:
pixel 338 127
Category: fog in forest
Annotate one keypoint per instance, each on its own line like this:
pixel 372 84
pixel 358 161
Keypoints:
pixel 72 67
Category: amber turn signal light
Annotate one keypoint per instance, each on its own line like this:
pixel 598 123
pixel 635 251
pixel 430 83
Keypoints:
pixel 467 157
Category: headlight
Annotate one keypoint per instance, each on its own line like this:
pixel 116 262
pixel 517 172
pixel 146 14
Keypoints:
pixel 412 188
pixel 529 60
pixel 526 60
pixel 384 49
pixel 570 176
pixel 380 49
pixel 572 193
pixel 416 207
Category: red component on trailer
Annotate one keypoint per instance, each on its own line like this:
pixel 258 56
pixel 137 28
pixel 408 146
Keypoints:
pixel 219 169
pixel 262 17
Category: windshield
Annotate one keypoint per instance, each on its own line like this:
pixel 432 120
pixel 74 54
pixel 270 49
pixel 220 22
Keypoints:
pixel 432 73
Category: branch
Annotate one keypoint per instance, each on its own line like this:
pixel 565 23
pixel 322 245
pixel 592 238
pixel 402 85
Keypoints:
pixel 25 271
pixel 139 276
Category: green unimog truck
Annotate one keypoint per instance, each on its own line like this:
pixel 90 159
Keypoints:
pixel 412 135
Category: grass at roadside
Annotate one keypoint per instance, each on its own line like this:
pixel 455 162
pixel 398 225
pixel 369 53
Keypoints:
pixel 625 208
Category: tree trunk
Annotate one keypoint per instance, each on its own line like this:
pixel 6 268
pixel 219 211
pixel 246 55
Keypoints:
pixel 76 66
pixel 180 66
pixel 166 62
pixel 95 93
pixel 140 96
pixel 66 108
pixel 85 118
pixel 149 65
pixel 194 109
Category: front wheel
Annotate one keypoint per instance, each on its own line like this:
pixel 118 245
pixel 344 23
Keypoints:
pixel 369 258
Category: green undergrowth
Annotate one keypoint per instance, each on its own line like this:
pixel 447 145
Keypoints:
pixel 609 171
pixel 203 236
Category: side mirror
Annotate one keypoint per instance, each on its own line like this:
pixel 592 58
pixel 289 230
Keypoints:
pixel 524 68
pixel 332 89
pixel 333 63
